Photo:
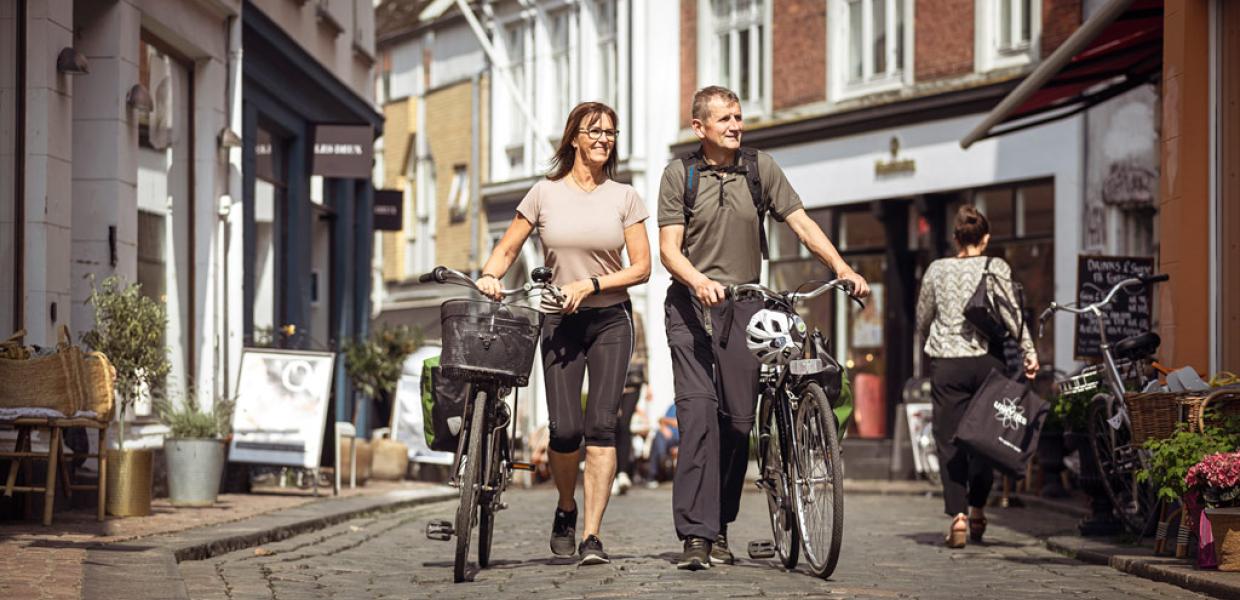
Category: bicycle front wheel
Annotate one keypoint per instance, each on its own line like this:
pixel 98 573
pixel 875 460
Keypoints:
pixel 777 476
pixel 470 482
pixel 1118 461
pixel 486 512
pixel 819 484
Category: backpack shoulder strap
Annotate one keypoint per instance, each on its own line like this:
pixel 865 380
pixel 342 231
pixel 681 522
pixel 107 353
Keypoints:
pixel 749 159
pixel 693 170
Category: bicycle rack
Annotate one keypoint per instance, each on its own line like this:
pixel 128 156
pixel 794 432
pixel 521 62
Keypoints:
pixel 439 530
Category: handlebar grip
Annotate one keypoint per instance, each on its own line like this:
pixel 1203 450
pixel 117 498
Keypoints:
pixel 437 275
pixel 848 286
pixel 1155 278
pixel 426 277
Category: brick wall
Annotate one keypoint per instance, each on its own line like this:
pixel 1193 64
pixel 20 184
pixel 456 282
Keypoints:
pixel 398 130
pixel 1059 19
pixel 799 40
pixel 688 57
pixel 943 38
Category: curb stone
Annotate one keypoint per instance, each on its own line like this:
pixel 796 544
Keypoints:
pixel 1174 571
pixel 147 567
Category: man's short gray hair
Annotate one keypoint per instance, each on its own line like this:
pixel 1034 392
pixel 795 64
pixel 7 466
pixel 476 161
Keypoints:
pixel 702 98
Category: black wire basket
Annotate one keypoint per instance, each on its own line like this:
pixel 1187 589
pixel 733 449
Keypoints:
pixel 488 341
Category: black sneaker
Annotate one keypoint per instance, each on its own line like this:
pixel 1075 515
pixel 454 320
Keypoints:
pixel 696 555
pixel 563 532
pixel 720 554
pixel 591 551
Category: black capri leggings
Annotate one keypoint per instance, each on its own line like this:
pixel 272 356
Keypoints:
pixel 600 339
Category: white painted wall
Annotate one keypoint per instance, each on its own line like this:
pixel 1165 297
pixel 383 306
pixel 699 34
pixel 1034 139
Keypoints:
pixel 456 55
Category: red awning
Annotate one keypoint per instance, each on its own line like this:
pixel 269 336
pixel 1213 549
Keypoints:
pixel 1117 49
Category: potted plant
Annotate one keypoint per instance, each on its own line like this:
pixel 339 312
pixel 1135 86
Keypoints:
pixel 1216 478
pixel 374 366
pixel 1070 411
pixel 1173 457
pixel 195 448
pixel 129 330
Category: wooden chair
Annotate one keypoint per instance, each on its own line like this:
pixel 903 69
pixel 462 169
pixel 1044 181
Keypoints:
pixel 56 459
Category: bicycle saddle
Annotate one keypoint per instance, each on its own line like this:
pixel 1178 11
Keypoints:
pixel 1138 346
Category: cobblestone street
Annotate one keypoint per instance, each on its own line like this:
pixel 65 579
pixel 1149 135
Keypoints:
pixel 892 549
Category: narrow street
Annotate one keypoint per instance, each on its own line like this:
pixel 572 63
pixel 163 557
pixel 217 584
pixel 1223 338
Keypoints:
pixel 892 549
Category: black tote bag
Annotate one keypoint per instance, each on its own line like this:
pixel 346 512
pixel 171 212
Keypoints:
pixel 1002 423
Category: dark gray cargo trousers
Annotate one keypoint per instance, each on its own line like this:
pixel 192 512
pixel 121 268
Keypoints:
pixel 716 393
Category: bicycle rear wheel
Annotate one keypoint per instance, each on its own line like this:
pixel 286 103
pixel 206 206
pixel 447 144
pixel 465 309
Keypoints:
pixel 777 474
pixel 819 487
pixel 470 482
pixel 486 514
pixel 1118 462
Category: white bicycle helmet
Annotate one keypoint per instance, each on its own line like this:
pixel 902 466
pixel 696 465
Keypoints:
pixel 774 336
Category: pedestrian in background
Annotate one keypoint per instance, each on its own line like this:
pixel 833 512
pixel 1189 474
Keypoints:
pixel 584 219
pixel 634 382
pixel 960 361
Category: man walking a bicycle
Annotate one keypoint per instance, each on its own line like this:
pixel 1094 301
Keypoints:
pixel 712 211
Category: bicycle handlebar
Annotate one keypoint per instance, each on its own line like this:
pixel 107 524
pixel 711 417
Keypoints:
pixel 442 274
pixel 1097 306
pixel 843 285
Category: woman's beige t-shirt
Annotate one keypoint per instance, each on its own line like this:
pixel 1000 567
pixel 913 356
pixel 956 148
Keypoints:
pixel 582 232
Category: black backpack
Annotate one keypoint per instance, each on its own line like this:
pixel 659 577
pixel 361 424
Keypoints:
pixel 695 164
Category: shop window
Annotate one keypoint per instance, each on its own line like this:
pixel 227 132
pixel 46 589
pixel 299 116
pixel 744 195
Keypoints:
pixel 269 204
pixel 996 204
pixel 859 230
pixel 1037 208
pixel 737 38
pixel 870 41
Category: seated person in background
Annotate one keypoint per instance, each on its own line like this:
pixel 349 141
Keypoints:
pixel 663 445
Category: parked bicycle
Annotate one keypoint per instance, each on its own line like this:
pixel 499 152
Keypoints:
pixel 491 346
pixel 1110 430
pixel 799 463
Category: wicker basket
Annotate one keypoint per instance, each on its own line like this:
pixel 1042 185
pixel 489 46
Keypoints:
pixel 100 385
pixel 1225 526
pixel 1154 415
pixel 1220 405
pixel 53 382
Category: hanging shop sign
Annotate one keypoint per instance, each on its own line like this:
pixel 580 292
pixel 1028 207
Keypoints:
pixel 281 408
pixel 387 210
pixel 343 151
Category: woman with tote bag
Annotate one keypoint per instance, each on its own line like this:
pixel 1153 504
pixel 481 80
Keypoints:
pixel 961 361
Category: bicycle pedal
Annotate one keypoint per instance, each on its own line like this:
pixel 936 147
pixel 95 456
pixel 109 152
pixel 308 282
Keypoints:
pixel 523 466
pixel 440 531
pixel 759 549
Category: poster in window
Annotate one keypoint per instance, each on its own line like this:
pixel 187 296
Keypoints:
pixel 282 398
pixel 867 324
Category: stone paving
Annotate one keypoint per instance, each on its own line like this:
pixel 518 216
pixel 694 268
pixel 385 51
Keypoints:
pixel 892 549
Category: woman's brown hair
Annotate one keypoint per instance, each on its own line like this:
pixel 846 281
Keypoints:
pixel 582 117
pixel 971 226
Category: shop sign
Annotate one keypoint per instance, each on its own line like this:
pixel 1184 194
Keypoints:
pixel 387 210
pixel 896 165
pixel 281 407
pixel 1127 315
pixel 344 151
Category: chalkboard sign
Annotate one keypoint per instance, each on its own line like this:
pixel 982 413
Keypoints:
pixel 1127 315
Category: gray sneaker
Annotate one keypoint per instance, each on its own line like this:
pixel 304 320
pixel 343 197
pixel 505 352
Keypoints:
pixel 696 555
pixel 564 532
pixel 591 552
pixel 720 554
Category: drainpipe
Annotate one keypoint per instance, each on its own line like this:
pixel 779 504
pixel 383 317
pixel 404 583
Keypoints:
pixel 475 168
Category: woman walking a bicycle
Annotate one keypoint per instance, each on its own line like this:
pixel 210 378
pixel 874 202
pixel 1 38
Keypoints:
pixel 960 361
pixel 584 219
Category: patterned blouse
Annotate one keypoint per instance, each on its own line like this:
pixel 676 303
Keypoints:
pixel 945 289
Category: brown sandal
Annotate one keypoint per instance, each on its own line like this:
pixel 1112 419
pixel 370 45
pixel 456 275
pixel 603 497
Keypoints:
pixel 977 528
pixel 956 537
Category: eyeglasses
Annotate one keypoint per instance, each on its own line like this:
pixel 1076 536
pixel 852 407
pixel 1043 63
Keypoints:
pixel 597 133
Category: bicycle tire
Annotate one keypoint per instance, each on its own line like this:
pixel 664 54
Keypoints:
pixel 470 481
pixel 486 512
pixel 1134 503
pixel 784 527
pixel 818 462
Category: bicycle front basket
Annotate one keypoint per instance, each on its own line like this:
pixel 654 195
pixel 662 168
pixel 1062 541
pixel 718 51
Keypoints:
pixel 488 340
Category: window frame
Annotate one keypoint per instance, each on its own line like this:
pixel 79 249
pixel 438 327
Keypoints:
pixel 708 67
pixel 987 53
pixel 840 87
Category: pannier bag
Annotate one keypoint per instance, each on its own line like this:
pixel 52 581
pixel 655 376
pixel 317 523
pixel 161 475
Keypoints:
pixel 489 340
pixel 1002 423
pixel 443 406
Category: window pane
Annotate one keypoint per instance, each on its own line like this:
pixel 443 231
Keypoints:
pixel 744 65
pixel 860 229
pixel 899 66
pixel 996 204
pixel 1005 23
pixel 1025 19
pixel 759 64
pixel 855 44
pixel 725 58
pixel 879 27
pixel 1039 201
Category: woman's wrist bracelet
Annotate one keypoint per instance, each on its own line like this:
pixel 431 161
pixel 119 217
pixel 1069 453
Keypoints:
pixel 485 275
